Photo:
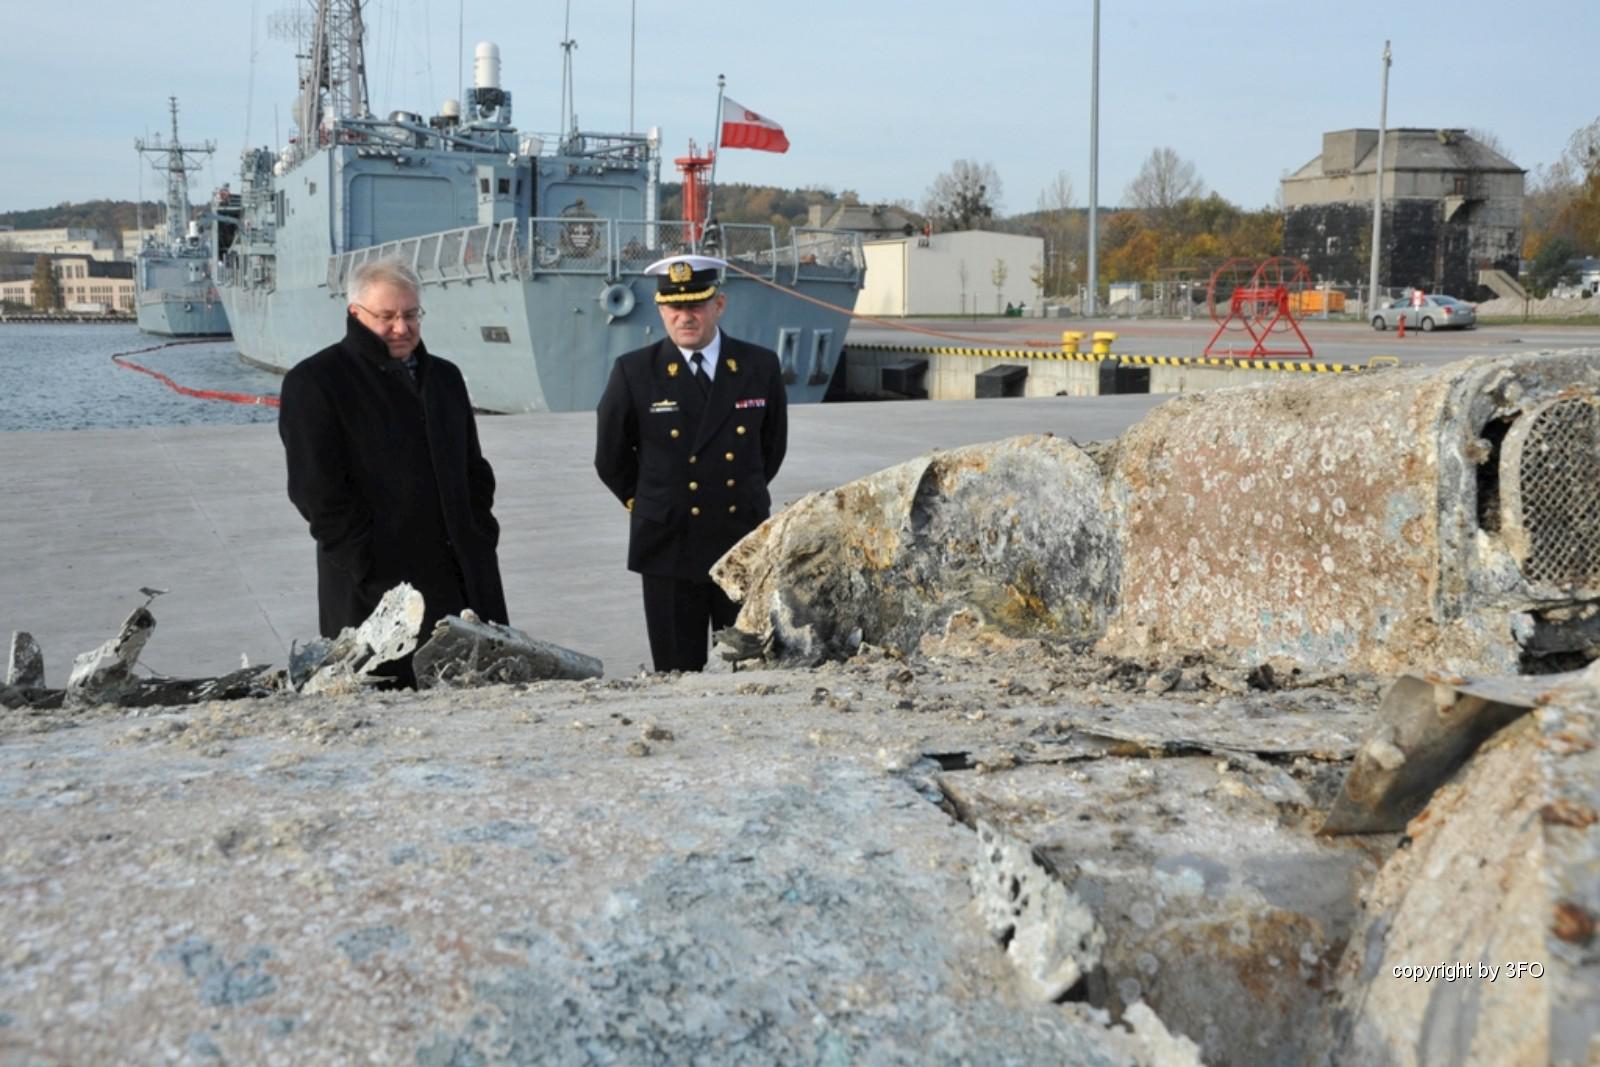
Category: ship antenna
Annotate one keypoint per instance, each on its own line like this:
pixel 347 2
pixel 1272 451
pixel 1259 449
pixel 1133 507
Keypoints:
pixel 568 104
pixel 334 81
pixel 633 36
pixel 173 159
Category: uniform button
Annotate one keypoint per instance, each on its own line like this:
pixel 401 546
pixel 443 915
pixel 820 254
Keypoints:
pixel 732 508
pixel 694 459
pixel 730 483
pixel 674 431
pixel 693 486
pixel 694 511
pixel 728 456
pixel 738 430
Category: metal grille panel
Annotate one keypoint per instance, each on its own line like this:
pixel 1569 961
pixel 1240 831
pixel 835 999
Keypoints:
pixel 1553 456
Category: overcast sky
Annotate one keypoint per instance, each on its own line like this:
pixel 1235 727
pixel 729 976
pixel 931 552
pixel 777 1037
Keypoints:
pixel 878 97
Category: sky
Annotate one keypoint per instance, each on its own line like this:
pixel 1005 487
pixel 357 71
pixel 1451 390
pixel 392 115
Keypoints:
pixel 875 97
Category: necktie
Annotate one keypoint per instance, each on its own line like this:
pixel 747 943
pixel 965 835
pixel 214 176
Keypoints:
pixel 701 378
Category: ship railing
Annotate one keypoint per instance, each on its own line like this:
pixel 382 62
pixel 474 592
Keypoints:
pixel 751 247
pixel 438 258
pixel 640 244
pixel 590 245
pixel 827 254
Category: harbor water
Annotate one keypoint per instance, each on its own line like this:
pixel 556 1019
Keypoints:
pixel 61 377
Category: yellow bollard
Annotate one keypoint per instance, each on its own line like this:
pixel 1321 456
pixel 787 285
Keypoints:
pixel 1102 342
pixel 1069 341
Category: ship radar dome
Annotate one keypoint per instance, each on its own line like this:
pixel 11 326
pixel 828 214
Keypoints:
pixel 486 65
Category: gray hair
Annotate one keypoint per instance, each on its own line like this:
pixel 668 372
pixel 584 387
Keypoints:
pixel 393 272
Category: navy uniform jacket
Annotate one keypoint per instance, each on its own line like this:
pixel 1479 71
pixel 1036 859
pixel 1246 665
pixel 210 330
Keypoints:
pixel 694 470
pixel 389 474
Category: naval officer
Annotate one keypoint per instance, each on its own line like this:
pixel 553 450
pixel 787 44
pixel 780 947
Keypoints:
pixel 384 464
pixel 691 431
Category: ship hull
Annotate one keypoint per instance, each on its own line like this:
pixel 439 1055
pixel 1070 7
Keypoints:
pixel 547 343
pixel 183 318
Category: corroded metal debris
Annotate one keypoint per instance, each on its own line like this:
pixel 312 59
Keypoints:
pixel 106 673
pixel 1375 523
pixel 461 652
pixel 469 651
pixel 1426 728
pixel 1443 518
pixel 359 655
pixel 1015 533
pixel 25 664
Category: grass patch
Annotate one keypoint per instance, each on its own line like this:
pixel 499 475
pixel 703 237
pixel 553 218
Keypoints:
pixel 1537 320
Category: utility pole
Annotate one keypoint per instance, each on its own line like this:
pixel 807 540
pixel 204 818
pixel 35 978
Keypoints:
pixel 1377 187
pixel 1091 305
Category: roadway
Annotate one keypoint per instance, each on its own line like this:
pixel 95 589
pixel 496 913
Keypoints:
pixel 1331 342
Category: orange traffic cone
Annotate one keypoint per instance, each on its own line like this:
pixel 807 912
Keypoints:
pixel 1402 330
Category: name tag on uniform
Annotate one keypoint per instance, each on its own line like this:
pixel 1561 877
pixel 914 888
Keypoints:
pixel 753 402
pixel 663 407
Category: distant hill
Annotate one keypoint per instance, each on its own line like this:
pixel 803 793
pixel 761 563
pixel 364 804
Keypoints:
pixel 103 215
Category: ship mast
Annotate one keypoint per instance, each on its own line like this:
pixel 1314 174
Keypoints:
pixel 333 72
pixel 174 158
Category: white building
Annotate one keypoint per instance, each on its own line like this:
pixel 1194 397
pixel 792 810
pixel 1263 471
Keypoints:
pixel 73 240
pixel 963 273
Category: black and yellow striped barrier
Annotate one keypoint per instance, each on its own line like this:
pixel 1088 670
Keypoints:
pixel 1225 363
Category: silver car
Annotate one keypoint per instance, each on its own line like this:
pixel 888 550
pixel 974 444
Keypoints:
pixel 1436 312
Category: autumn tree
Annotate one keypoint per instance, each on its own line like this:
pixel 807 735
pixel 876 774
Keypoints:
pixel 1553 265
pixel 1563 199
pixel 1165 181
pixel 965 196
pixel 46 289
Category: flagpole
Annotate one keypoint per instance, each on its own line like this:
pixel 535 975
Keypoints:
pixel 716 146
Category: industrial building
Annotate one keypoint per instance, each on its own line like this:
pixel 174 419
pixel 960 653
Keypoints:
pixel 1452 207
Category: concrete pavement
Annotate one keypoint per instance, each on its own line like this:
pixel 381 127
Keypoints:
pixel 92 515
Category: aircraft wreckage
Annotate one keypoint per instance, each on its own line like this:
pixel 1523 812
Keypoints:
pixel 1263 734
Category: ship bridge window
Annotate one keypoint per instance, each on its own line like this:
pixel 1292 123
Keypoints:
pixel 505 186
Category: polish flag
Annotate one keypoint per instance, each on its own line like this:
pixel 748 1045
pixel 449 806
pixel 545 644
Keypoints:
pixel 743 128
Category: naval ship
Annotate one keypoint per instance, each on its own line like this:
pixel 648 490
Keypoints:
pixel 175 294
pixel 531 249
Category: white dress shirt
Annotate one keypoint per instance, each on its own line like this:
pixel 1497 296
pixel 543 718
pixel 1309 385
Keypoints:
pixel 710 352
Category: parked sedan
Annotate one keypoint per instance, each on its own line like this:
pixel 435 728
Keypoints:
pixel 1436 312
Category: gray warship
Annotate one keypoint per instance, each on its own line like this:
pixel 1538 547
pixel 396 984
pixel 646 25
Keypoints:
pixel 531 249
pixel 174 287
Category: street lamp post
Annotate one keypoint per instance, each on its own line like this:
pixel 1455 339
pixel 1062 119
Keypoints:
pixel 1377 187
pixel 1090 304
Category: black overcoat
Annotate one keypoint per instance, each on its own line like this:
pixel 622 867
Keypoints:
pixel 694 469
pixel 390 476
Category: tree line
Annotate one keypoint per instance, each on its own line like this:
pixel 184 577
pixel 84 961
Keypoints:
pixel 1561 212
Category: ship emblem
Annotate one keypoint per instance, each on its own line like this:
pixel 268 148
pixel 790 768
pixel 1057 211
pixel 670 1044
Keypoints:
pixel 578 230
pixel 679 273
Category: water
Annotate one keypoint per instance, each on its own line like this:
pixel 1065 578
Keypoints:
pixel 60 377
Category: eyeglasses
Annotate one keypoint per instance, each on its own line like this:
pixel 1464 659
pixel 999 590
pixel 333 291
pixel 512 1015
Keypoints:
pixel 411 316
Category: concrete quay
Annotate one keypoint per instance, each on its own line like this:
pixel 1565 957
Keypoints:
pixel 94 515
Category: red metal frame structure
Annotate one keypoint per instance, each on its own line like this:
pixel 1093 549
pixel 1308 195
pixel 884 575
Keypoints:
pixel 1259 302
pixel 692 167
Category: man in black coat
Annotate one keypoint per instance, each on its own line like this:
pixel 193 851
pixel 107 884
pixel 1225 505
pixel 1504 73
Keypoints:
pixel 384 463
pixel 691 430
